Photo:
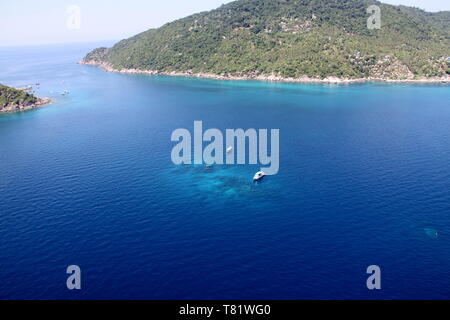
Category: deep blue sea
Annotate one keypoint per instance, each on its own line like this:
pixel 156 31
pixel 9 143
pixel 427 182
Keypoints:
pixel 88 180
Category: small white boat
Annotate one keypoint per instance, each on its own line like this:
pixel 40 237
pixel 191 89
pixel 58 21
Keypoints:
pixel 65 92
pixel 259 175
pixel 229 149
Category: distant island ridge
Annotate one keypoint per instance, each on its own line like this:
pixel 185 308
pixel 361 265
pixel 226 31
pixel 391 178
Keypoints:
pixel 297 41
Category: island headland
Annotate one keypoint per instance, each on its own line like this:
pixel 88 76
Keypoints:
pixel 295 41
pixel 14 100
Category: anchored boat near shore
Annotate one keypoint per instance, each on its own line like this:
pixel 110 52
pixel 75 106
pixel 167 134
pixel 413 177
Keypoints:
pixel 259 175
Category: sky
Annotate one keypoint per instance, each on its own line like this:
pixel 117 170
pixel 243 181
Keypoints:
pixel 30 22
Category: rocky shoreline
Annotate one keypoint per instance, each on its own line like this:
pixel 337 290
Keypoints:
pixel 16 100
pixel 272 78
pixel 10 108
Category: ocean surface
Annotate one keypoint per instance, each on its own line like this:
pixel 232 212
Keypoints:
pixel 88 180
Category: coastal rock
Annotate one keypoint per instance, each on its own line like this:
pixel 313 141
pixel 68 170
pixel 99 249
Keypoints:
pixel 270 78
pixel 14 100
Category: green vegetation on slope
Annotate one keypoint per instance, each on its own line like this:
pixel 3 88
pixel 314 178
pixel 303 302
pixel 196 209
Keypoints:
pixel 440 20
pixel 10 97
pixel 292 38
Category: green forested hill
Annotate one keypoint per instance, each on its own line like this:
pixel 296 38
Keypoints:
pixel 440 20
pixel 292 38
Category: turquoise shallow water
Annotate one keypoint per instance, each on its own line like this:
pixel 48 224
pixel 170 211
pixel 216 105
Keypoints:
pixel 364 179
